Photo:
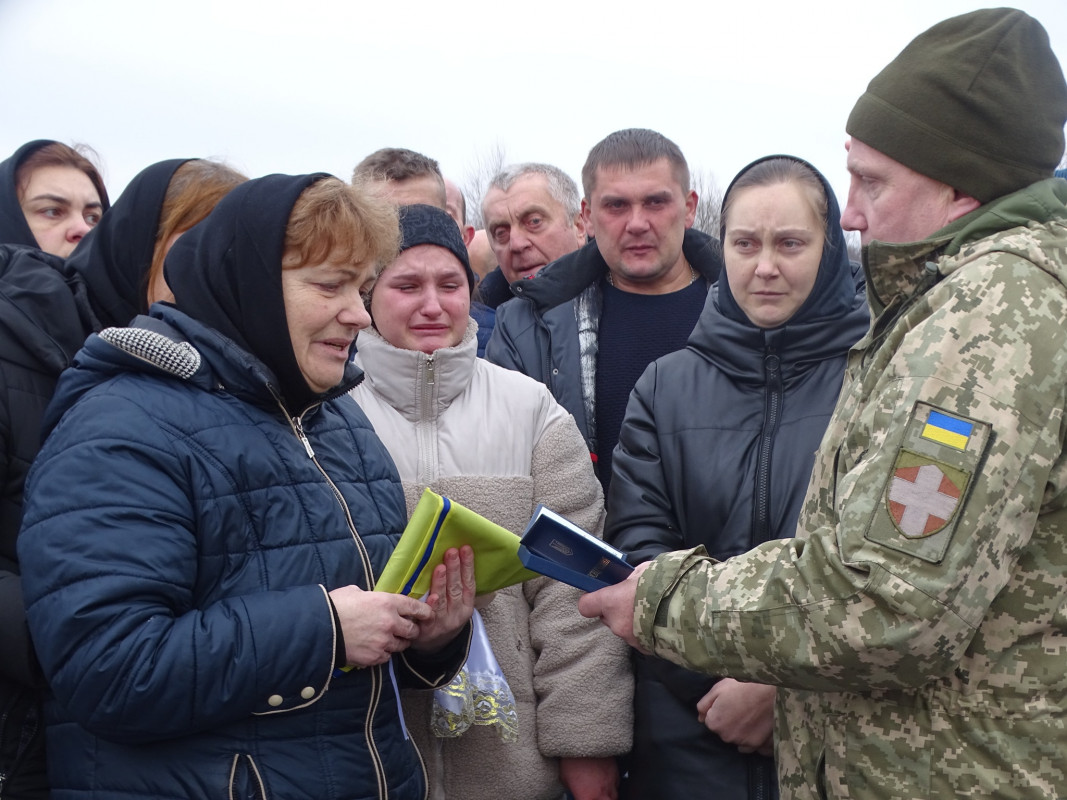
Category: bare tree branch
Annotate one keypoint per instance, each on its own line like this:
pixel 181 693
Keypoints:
pixel 709 201
pixel 476 181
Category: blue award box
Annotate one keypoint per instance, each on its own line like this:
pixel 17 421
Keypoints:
pixel 554 546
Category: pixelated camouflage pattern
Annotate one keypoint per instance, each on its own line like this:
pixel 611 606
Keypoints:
pixel 910 677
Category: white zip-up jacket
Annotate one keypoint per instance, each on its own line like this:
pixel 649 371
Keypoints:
pixel 498 442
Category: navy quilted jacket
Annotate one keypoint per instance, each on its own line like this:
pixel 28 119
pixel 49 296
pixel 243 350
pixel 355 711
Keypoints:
pixel 179 541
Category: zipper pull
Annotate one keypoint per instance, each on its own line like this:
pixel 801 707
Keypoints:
pixel 429 370
pixel 303 437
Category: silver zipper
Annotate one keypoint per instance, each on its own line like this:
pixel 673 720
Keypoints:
pixel 298 424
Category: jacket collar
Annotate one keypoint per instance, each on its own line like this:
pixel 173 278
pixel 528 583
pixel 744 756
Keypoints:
pixel 900 270
pixel 739 349
pixel 493 289
pixel 45 314
pixel 400 376
pixel 170 345
pixel 566 277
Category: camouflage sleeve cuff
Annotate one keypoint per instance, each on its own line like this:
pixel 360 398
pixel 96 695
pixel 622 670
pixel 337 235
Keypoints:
pixel 655 587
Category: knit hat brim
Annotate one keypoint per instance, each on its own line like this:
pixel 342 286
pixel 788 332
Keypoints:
pixel 977 102
pixel 423 224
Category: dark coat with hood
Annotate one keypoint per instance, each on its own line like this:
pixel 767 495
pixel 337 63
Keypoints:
pixel 538 334
pixel 177 587
pixel 716 449
pixel 43 322
pixel 45 316
pixel 47 309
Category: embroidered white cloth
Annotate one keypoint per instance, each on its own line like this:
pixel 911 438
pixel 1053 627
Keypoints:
pixel 478 695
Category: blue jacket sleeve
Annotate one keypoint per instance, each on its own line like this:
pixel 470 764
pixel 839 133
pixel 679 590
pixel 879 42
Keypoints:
pixel 113 579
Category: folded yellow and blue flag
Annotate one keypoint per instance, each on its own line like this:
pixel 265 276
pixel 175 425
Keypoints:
pixel 438 524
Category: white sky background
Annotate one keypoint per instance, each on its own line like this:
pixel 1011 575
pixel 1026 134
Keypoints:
pixel 294 87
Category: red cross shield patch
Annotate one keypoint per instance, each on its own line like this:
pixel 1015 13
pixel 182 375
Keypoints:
pixel 923 498
pixel 925 493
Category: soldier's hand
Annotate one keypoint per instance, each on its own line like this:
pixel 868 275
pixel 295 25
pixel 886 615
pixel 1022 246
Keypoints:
pixel 614 606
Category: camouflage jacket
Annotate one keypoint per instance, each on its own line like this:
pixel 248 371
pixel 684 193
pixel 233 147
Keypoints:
pixel 919 619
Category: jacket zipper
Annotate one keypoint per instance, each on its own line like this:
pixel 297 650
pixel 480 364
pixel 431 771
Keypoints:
pixel 429 370
pixel 759 776
pixel 297 424
pixel 771 412
pixel 425 425
pixel 377 680
pixel 298 428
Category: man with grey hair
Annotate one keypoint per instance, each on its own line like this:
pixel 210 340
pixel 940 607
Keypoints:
pixel 591 321
pixel 532 216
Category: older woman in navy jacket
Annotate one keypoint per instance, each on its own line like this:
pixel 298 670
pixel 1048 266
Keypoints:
pixel 717 447
pixel 206 520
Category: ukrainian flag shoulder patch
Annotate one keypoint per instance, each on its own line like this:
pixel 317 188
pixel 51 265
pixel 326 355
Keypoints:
pixel 927 488
pixel 947 429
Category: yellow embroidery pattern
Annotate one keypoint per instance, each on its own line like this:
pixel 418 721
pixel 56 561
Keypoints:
pixel 474 700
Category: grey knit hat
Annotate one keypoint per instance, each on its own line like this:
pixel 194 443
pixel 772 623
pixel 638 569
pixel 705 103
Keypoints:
pixel 978 102
pixel 422 224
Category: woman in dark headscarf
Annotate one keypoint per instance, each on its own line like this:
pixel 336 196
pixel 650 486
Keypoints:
pixel 47 308
pixel 121 260
pixel 717 447
pixel 50 197
pixel 225 509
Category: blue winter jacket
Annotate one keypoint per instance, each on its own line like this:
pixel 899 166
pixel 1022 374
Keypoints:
pixel 180 536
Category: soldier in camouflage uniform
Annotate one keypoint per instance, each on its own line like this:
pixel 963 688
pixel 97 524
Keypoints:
pixel 918 622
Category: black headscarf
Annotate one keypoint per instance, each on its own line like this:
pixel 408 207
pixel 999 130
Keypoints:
pixel 834 291
pixel 226 272
pixel 13 226
pixel 114 257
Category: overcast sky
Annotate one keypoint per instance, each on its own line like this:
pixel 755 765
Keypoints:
pixel 305 86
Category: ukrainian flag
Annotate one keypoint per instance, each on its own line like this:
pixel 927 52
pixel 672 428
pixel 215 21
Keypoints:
pixel 947 430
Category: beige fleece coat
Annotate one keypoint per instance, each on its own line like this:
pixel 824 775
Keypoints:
pixel 497 442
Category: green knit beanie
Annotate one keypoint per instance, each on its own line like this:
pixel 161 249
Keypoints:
pixel 978 102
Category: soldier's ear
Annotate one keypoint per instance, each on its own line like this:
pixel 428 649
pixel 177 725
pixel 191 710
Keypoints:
pixel 962 205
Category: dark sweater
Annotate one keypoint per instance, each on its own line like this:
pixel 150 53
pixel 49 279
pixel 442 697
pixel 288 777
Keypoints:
pixel 635 330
